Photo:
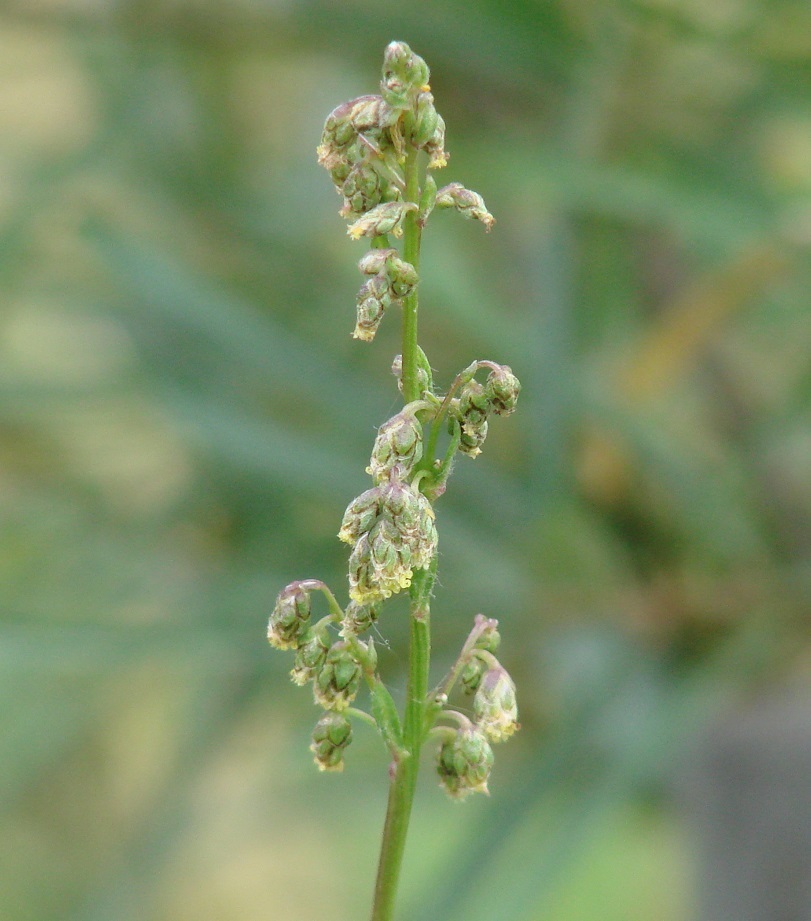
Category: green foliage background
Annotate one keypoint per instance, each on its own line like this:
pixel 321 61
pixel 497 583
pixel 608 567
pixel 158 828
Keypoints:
pixel 184 417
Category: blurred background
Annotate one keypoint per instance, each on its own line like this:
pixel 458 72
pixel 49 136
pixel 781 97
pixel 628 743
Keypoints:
pixel 185 417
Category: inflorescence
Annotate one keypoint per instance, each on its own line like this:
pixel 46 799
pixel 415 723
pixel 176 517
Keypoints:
pixel 391 527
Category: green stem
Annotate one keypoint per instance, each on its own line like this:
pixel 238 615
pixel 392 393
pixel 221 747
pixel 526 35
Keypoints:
pixel 405 766
pixel 411 254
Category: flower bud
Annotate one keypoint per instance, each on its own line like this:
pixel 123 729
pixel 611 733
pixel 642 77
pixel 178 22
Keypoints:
pixel 474 404
pixel 332 734
pixel 368 316
pixel 495 706
pixel 468 203
pixel 363 189
pixel 489 639
pixel 423 378
pixel 360 515
pixel 358 618
pixel 385 218
pixel 435 146
pixel 464 763
pixel 374 262
pixel 310 656
pixel 426 120
pixel 402 277
pixel 502 389
pixel 471 411
pixel 472 439
pixel 472 674
pixel 404 75
pixel 371 115
pixel 338 681
pixel 288 621
pixel 398 445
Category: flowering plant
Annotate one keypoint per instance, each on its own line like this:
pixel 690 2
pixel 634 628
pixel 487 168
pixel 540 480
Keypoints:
pixel 380 151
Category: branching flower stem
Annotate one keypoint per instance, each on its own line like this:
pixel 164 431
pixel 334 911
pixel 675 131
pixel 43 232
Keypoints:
pixel 379 151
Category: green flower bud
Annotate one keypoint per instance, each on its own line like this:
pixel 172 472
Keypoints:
pixel 426 120
pixel 472 673
pixel 423 377
pixel 288 621
pixel 385 218
pixel 363 585
pixel 332 734
pixel 435 146
pixel 337 684
pixel 398 445
pixel 468 203
pixel 358 618
pixel 427 200
pixel 502 389
pixel 495 706
pixel 489 639
pixel 464 763
pixel 363 189
pixel 474 404
pixel 373 299
pixel 360 515
pixel 368 316
pixel 404 75
pixel 472 439
pixel 311 655
pixel 471 411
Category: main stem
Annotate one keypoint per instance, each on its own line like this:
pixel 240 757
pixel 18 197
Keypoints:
pixel 405 768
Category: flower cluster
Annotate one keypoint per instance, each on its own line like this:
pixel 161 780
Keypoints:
pixel 334 666
pixel 391 280
pixel 498 395
pixel 377 149
pixel 392 529
pixel 465 758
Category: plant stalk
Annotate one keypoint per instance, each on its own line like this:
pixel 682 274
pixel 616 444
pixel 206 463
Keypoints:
pixel 404 769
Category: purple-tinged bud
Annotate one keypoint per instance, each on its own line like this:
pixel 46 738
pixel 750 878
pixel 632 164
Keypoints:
pixel 288 622
pixel 332 734
pixel 374 262
pixel 368 317
pixel 468 203
pixel 358 618
pixel 360 515
pixel 398 445
pixel 423 378
pixel 371 115
pixel 495 707
pixel 385 218
pixel 310 656
pixel 489 639
pixel 338 681
pixel 502 389
pixel 464 763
